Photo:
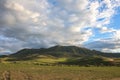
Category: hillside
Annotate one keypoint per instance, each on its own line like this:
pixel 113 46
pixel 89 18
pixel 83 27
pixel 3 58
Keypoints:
pixel 63 55
pixel 59 51
pixel 56 51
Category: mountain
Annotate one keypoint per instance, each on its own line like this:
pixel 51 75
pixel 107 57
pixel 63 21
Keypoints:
pixel 63 55
pixel 58 52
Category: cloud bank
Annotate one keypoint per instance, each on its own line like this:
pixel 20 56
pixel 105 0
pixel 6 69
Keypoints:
pixel 45 23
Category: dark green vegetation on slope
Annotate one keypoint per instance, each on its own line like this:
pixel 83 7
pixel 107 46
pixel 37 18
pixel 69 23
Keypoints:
pixel 61 51
pixel 64 55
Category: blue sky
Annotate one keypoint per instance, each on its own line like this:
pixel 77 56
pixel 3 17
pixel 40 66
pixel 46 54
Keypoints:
pixel 115 21
pixel 94 24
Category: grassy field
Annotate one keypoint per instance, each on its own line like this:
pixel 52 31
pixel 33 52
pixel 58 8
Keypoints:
pixel 24 71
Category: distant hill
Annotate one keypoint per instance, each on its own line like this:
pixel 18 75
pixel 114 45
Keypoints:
pixel 63 55
pixel 60 51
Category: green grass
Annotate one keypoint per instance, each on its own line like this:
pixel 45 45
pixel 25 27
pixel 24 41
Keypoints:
pixel 51 60
pixel 24 71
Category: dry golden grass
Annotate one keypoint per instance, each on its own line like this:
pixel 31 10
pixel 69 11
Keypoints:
pixel 24 71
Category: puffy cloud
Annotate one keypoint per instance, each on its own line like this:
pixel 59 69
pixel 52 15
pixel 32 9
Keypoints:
pixel 116 34
pixel 107 45
pixel 44 23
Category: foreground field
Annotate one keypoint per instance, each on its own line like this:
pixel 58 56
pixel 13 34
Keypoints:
pixel 23 71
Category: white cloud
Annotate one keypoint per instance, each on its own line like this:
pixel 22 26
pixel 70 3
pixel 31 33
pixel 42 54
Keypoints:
pixel 116 35
pixel 22 13
pixel 43 23
pixel 105 45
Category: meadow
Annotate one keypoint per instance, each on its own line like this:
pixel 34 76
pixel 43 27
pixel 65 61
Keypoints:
pixel 29 71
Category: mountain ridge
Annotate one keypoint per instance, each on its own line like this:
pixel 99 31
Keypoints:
pixel 60 51
pixel 63 55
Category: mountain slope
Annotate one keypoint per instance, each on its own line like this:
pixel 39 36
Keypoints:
pixel 59 51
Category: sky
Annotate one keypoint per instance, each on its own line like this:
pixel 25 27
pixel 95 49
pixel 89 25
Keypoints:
pixel 93 24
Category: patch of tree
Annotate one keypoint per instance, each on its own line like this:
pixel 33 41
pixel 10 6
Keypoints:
pixel 89 61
